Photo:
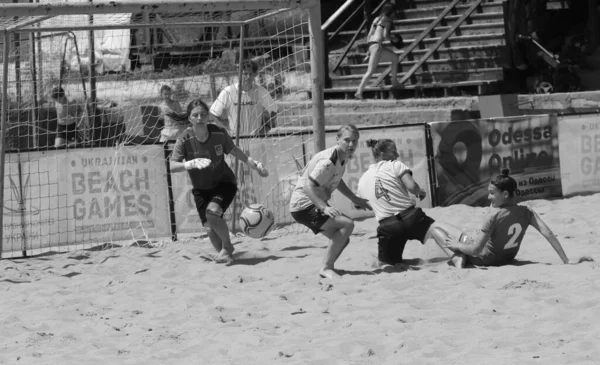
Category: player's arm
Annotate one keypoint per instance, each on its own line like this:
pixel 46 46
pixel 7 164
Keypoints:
pixel 253 164
pixel 412 185
pixel 539 224
pixel 387 34
pixel 316 178
pixel 176 163
pixel 218 110
pixel 358 202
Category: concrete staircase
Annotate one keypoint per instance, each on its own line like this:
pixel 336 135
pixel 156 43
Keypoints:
pixel 469 62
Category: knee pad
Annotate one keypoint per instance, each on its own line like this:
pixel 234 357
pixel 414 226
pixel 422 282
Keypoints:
pixel 215 212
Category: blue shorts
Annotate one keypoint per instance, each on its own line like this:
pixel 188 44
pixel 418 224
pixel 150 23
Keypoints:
pixel 311 217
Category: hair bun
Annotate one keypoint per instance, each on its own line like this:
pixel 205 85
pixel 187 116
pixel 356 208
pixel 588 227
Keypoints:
pixel 371 142
pixel 505 172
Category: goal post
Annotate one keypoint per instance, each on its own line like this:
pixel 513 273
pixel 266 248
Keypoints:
pixel 93 168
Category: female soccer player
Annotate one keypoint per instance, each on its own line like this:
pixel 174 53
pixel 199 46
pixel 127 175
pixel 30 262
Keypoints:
pixel 203 147
pixel 309 201
pixel 386 185
pixel 499 239
pixel 380 31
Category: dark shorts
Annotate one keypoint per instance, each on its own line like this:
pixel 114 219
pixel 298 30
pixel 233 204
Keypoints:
pixel 395 231
pixel 223 195
pixel 67 132
pixel 311 217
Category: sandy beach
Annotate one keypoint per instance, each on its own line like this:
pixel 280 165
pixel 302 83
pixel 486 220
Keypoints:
pixel 167 305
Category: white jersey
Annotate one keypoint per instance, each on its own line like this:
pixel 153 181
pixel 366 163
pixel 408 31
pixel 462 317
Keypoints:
pixel 324 171
pixel 254 102
pixel 382 186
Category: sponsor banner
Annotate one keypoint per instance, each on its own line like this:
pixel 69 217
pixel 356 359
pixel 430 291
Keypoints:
pixel 579 140
pixel 410 142
pixel 283 157
pixel 78 196
pixel 467 154
pixel 117 194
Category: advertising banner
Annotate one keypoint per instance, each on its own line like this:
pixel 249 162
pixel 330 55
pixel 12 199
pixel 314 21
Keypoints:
pixel 579 139
pixel 410 142
pixel 78 197
pixel 467 154
pixel 283 157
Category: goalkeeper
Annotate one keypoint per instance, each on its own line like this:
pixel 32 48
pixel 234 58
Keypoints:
pixel 203 147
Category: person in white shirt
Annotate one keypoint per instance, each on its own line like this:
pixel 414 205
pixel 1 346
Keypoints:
pixel 387 186
pixel 309 201
pixel 258 110
pixel 68 113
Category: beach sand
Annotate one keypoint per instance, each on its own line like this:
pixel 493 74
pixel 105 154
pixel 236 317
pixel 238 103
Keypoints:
pixel 167 305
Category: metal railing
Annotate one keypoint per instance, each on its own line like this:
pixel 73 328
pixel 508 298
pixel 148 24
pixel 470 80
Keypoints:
pixel 476 5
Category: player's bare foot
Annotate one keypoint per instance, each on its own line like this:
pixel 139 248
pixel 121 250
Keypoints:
pixel 327 273
pixel 224 257
pixel 459 260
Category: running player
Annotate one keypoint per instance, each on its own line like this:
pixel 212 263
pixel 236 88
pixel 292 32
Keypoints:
pixel 214 185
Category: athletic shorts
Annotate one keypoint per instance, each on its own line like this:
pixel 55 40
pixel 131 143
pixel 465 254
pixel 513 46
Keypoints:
pixel 67 132
pixel 395 231
pixel 223 195
pixel 311 217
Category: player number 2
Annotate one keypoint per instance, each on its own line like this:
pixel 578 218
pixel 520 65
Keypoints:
pixel 514 232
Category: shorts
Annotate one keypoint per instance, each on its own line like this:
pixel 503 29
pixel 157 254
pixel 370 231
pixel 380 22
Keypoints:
pixel 395 231
pixel 223 195
pixel 311 217
pixel 67 132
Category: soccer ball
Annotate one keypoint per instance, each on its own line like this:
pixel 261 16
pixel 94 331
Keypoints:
pixel 256 221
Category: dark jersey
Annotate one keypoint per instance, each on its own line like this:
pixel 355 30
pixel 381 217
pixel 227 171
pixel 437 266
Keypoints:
pixel 506 226
pixel 218 144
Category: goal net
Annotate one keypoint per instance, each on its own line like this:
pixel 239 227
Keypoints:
pixel 86 132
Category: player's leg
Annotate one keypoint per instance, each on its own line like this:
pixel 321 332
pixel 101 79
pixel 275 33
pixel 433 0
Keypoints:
pixel 61 136
pixel 58 142
pixel 338 230
pixel 375 50
pixel 440 232
pixel 391 241
pixel 224 195
pixel 202 199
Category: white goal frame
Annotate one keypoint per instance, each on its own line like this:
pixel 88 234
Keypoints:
pixel 29 16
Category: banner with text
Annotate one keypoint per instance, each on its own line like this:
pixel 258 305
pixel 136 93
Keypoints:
pixel 68 198
pixel 579 139
pixel 410 142
pixel 467 154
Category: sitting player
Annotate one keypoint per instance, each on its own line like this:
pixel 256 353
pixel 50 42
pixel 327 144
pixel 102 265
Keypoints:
pixel 498 241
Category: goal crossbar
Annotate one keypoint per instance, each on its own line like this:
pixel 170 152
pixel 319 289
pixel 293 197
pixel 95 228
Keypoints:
pixel 25 26
pixel 151 6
